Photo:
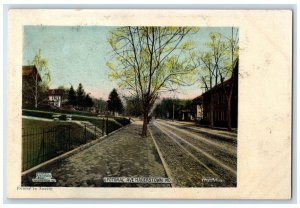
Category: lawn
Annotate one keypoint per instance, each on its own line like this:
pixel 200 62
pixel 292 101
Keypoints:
pixel 114 123
pixel 43 140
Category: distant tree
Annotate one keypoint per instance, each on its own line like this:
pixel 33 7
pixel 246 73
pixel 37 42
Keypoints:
pixel 165 108
pixel 72 100
pixel 88 101
pixel 133 106
pixel 80 96
pixel 114 102
pixel 65 90
pixel 100 104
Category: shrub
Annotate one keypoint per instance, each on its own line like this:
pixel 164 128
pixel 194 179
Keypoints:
pixel 122 120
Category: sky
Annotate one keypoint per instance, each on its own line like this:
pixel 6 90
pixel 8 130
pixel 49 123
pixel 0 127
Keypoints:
pixel 78 54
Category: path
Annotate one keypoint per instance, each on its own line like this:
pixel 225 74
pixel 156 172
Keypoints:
pixel 123 153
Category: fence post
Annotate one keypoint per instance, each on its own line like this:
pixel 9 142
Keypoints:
pixel 95 131
pixel 43 145
pixel 85 134
pixel 69 142
pixel 107 125
pixel 103 127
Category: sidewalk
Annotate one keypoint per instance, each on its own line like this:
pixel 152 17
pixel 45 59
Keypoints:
pixel 123 153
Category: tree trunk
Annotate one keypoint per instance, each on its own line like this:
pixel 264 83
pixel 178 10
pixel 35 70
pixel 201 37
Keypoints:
pixel 211 110
pixel 229 113
pixel 145 127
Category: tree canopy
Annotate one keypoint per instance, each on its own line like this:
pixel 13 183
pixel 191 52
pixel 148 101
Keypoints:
pixel 35 92
pixel 79 97
pixel 149 60
pixel 72 96
pixel 114 102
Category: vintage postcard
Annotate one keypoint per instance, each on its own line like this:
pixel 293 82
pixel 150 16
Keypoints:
pixel 160 104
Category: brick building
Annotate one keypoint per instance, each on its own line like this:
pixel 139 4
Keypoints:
pixel 215 101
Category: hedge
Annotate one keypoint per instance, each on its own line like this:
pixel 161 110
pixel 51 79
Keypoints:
pixel 113 123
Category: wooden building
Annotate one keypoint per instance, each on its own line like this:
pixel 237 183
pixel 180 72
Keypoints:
pixel 30 81
pixel 215 102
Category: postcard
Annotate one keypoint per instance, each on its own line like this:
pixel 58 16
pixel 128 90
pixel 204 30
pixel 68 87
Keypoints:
pixel 149 104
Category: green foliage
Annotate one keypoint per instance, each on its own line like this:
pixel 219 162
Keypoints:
pixel 133 106
pixel 88 102
pixel 100 104
pixel 122 120
pixel 46 113
pixel 114 123
pixel 217 61
pixel 149 60
pixel 80 94
pixel 165 108
pixel 34 90
pixel 40 114
pixel 42 67
pixel 72 100
pixel 79 98
pixel 114 102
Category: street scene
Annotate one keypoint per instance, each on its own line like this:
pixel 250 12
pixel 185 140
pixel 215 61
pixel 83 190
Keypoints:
pixel 130 106
pixel 196 156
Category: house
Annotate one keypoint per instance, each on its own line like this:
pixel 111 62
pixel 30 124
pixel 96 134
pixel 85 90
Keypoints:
pixel 197 104
pixel 55 97
pixel 186 115
pixel 30 84
pixel 215 102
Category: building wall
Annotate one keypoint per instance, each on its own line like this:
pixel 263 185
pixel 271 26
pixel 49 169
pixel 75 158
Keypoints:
pixel 55 100
pixel 217 98
pixel 220 108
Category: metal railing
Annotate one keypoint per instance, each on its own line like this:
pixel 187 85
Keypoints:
pixel 42 144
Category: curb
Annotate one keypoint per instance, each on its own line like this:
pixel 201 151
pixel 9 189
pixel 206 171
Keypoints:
pixel 164 163
pixel 70 153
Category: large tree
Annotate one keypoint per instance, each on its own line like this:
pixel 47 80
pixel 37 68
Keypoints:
pixel 39 89
pixel 230 68
pixel 217 65
pixel 212 67
pixel 150 60
pixel 114 102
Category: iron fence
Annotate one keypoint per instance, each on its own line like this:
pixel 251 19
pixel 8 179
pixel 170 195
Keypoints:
pixel 42 144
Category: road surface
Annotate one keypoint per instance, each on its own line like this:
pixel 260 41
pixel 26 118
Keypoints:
pixel 195 156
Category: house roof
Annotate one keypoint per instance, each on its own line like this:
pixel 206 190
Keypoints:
pixel 30 70
pixel 56 92
pixel 198 98
pixel 228 81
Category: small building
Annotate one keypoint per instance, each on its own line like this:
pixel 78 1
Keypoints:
pixel 55 97
pixel 197 104
pixel 186 115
